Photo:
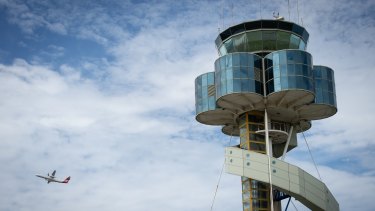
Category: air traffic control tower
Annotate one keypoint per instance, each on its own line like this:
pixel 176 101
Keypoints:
pixel 266 89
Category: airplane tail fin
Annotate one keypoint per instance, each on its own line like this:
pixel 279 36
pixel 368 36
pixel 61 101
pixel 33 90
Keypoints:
pixel 66 180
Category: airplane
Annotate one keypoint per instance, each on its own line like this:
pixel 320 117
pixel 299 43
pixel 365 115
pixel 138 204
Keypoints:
pixel 51 178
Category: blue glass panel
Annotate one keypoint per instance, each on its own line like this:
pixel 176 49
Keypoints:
pixel 318 84
pixel 325 85
pixel 251 72
pixel 284 82
pixel 290 55
pixel 229 45
pixel 211 79
pixel 331 99
pixel 277 84
pixel 317 72
pixel 218 90
pixel 228 61
pixel 275 58
pixel 199 92
pixel 229 74
pixel 250 61
pixel 245 85
pixel 298 68
pixel 229 86
pixel 244 60
pixel 223 89
pixel 291 70
pixel 282 57
pixel 298 58
pixel 300 83
pixel 292 82
pixel 305 71
pixel 236 60
pixel 276 72
pixel 236 72
pixel 330 87
pixel 329 75
pixel 244 73
pixel 305 58
pixel 302 45
pixel 198 108
pixel 223 75
pixel 236 85
pixel 223 50
pixel 252 86
pixel 318 95
pixel 205 105
pixel 311 84
pixel 222 62
pixel 283 70
pixel 294 42
pixel 324 73
pixel 204 80
pixel 204 92
pixel 211 103
pixel 325 97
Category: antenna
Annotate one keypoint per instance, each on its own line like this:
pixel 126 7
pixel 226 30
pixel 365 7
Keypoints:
pixel 277 17
pixel 297 12
pixel 289 10
pixel 260 8
pixel 222 13
pixel 231 8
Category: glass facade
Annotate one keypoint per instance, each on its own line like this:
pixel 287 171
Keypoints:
pixel 288 70
pixel 263 25
pixel 324 86
pixel 238 73
pixel 205 92
pixel 261 40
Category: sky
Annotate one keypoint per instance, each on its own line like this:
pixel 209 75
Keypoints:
pixel 103 91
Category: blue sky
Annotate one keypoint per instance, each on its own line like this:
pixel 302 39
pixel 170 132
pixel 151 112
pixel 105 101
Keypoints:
pixel 103 91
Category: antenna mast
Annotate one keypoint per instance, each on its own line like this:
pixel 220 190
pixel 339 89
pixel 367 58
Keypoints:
pixel 289 10
pixel 297 12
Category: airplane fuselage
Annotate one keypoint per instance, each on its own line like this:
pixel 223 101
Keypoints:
pixel 52 179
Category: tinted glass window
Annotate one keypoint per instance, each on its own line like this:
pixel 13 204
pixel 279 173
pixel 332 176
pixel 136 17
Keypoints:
pixel 253 25
pixel 238 28
pixel 268 24
pixel 294 42
pixel 285 26
pixel 225 34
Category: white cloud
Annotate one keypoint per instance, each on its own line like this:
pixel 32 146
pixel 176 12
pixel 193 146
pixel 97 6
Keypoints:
pixel 127 134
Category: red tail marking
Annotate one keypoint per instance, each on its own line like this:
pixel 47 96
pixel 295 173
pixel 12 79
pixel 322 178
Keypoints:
pixel 66 180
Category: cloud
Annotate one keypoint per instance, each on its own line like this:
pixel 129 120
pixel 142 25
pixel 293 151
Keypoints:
pixel 123 125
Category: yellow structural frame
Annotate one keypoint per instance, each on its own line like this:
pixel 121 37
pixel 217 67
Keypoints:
pixel 252 193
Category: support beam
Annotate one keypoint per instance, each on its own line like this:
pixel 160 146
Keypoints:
pixel 287 142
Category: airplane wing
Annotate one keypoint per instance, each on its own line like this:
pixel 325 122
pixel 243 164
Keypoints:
pixel 53 173
pixel 42 176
